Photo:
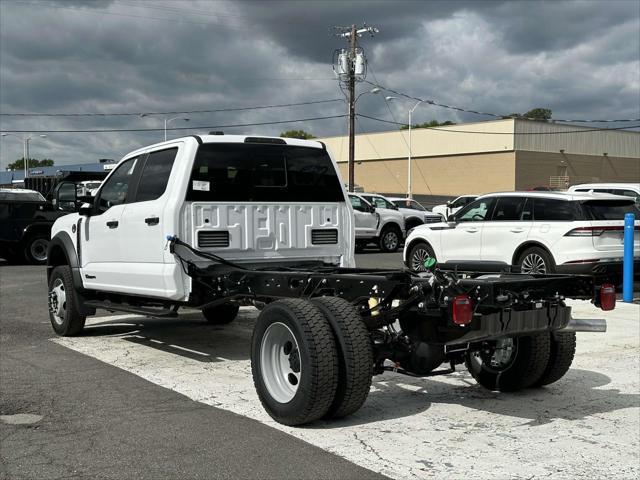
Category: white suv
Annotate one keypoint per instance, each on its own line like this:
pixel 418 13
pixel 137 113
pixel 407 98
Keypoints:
pixel 531 232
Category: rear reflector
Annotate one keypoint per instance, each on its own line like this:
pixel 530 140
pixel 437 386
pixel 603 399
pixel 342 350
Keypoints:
pixel 607 297
pixel 462 310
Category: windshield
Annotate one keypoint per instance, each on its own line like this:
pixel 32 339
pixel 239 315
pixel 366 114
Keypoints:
pixel 412 204
pixel 21 196
pixel 610 209
pixel 241 172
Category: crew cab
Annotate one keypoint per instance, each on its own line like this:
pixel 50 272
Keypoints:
pixel 220 221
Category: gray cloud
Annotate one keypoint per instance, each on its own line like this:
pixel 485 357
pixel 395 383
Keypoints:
pixel 579 58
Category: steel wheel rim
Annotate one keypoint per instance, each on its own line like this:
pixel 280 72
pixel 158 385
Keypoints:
pixel 391 240
pixel 418 259
pixel 38 249
pixel 533 263
pixel 58 301
pixel 280 363
pixel 500 358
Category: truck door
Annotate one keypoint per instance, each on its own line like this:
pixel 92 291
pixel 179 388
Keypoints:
pixel 143 232
pixel 365 219
pixel 101 241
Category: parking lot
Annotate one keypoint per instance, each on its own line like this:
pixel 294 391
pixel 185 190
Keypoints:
pixel 136 397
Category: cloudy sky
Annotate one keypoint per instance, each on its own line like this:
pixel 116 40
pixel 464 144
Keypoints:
pixel 579 58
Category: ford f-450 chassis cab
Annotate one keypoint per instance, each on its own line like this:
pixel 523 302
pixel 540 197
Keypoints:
pixel 216 222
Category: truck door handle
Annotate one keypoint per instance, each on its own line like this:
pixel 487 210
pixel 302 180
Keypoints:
pixel 517 230
pixel 112 224
pixel 472 230
pixel 152 221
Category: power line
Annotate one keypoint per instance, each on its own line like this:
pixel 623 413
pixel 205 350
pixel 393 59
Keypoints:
pixel 440 129
pixel 137 114
pixel 489 114
pixel 202 127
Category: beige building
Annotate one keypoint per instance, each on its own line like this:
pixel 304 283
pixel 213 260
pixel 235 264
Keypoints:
pixel 501 155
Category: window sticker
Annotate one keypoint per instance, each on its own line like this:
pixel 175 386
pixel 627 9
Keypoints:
pixel 200 185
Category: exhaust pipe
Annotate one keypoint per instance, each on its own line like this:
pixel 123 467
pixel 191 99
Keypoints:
pixel 586 325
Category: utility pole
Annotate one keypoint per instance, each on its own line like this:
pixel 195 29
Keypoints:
pixel 351 67
pixel 352 108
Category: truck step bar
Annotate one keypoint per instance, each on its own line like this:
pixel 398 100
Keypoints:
pixel 119 307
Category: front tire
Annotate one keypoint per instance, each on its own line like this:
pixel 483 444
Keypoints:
pixel 221 314
pixel 355 355
pixel 511 363
pixel 65 317
pixel 536 260
pixel 35 250
pixel 294 361
pixel 390 238
pixel 418 255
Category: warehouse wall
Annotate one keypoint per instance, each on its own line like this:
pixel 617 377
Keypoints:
pixel 534 168
pixel 446 175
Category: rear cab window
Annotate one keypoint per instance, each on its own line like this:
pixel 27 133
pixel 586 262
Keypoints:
pixel 245 172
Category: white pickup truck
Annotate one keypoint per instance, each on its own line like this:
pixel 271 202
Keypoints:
pixel 216 222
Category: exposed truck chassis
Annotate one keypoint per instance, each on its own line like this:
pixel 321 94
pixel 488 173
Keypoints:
pixel 512 331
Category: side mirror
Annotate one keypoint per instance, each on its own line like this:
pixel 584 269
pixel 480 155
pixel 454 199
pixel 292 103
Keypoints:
pixel 86 210
pixel 372 208
pixel 65 196
pixel 451 219
pixel 449 204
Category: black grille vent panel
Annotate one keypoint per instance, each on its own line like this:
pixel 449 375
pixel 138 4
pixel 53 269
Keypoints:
pixel 325 236
pixel 213 239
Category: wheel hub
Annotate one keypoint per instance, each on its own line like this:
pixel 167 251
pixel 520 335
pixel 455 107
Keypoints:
pixel 58 301
pixel 280 362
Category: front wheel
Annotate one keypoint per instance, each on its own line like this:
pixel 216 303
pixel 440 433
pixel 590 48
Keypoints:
pixel 65 317
pixel 294 361
pixel 389 239
pixel 511 363
pixel 419 257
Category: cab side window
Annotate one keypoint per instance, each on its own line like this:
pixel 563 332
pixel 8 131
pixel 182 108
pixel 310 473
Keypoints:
pixel 358 204
pixel 155 174
pixel 116 187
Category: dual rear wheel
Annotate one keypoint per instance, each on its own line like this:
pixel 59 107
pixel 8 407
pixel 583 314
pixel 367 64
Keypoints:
pixel 311 359
pixel 514 363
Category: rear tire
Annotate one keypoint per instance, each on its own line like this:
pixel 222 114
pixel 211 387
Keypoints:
pixel 390 238
pixel 536 260
pixel 221 314
pixel 65 317
pixel 525 365
pixel 355 355
pixel 563 349
pixel 294 361
pixel 35 250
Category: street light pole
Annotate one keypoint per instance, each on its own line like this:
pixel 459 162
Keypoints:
pixel 409 193
pixel 25 150
pixel 166 122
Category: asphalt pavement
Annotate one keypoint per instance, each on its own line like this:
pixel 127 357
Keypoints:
pixel 143 398
pixel 87 419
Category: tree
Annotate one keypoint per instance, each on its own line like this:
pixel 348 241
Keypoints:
pixel 32 163
pixel 538 113
pixel 431 124
pixel 301 134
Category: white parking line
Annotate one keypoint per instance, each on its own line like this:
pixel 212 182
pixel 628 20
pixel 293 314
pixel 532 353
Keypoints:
pixel 585 426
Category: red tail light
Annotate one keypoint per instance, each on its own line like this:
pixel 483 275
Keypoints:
pixel 462 310
pixel 592 231
pixel 607 297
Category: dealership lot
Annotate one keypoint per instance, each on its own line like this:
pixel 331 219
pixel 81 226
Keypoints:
pixel 165 398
